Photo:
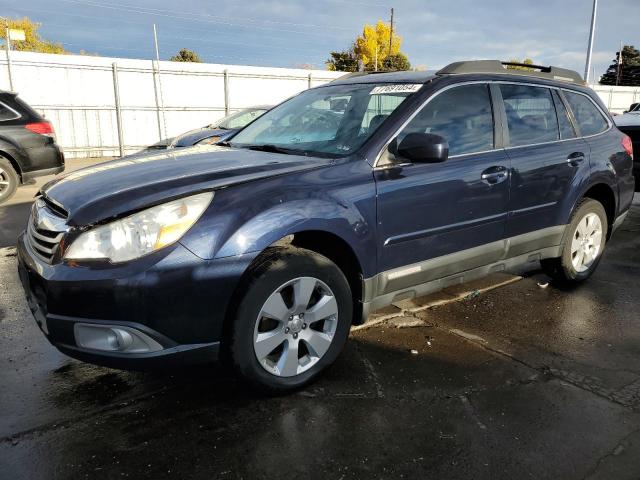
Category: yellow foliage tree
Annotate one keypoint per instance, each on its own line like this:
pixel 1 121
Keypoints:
pixel 375 39
pixel 32 42
pixel 526 61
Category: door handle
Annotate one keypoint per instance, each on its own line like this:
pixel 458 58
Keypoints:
pixel 575 159
pixel 494 175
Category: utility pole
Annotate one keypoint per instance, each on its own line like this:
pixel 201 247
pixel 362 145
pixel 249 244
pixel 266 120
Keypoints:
pixel 164 120
pixel 391 34
pixel 8 52
pixel 587 66
pixel 619 69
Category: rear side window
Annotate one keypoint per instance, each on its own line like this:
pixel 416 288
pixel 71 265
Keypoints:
pixel 589 118
pixel 531 116
pixel 462 115
pixel 7 113
pixel 566 128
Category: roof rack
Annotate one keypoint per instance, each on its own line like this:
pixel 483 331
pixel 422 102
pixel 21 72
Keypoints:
pixel 496 66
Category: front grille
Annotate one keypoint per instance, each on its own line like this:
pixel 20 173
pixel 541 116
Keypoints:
pixel 44 242
pixel 45 230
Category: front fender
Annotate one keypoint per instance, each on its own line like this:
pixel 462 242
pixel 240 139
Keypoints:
pixel 247 218
pixel 290 218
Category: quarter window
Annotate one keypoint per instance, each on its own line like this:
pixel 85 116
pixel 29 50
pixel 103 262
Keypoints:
pixel 7 113
pixel 462 115
pixel 589 118
pixel 531 116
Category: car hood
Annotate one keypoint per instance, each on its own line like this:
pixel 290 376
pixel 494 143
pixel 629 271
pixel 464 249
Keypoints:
pixel 113 188
pixel 193 136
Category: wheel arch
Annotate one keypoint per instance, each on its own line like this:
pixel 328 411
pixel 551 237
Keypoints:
pixel 12 161
pixel 603 193
pixel 323 242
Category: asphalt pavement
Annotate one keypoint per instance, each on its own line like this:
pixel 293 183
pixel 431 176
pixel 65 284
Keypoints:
pixel 523 381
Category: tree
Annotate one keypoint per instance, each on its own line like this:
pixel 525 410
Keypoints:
pixel 526 61
pixel 372 49
pixel 345 61
pixel 186 55
pixel 32 42
pixel 629 74
pixel 395 63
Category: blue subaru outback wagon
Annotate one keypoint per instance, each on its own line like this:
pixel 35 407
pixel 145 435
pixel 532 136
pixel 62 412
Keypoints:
pixel 264 250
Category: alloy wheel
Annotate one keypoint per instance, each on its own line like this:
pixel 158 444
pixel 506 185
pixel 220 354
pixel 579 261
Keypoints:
pixel 586 244
pixel 295 326
pixel 4 180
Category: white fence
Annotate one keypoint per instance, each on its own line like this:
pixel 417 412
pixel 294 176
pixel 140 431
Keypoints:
pixel 84 96
pixel 617 99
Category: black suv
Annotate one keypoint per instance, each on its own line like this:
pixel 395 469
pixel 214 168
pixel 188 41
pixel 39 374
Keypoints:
pixel 265 249
pixel 28 146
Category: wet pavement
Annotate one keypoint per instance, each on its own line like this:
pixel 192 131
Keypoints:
pixel 521 381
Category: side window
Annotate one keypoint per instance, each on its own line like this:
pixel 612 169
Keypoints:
pixel 531 117
pixel 7 113
pixel 462 115
pixel 589 118
pixel 566 128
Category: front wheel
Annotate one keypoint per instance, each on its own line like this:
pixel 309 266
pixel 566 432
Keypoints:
pixel 582 245
pixel 292 321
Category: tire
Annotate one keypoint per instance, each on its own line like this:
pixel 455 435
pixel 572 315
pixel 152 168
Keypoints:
pixel 269 326
pixel 9 180
pixel 582 245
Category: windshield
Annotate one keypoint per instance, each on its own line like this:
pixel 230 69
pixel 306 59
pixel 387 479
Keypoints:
pixel 328 121
pixel 239 119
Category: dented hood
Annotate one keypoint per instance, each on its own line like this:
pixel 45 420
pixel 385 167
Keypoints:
pixel 113 188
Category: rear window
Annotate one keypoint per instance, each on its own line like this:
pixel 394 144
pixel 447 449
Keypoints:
pixel 531 116
pixel 590 119
pixel 7 113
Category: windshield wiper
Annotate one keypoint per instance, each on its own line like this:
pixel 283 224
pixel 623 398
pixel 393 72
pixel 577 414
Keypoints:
pixel 274 149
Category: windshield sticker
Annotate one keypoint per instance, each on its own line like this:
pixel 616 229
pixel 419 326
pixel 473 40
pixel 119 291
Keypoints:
pixel 400 88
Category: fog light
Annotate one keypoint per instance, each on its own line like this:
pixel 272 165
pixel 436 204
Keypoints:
pixel 112 338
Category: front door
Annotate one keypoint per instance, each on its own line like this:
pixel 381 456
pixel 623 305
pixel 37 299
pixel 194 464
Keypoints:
pixel 451 214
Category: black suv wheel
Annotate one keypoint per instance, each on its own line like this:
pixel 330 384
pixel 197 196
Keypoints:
pixel 9 180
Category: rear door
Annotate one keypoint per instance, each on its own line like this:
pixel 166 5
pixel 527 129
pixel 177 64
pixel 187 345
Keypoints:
pixel 435 211
pixel 547 161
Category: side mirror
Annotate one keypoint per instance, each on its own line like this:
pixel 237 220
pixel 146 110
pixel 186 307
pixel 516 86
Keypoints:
pixel 421 148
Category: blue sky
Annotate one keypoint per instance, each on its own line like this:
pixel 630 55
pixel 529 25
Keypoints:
pixel 288 33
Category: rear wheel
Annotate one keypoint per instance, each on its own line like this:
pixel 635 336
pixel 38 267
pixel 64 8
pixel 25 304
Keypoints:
pixel 582 245
pixel 292 321
pixel 9 180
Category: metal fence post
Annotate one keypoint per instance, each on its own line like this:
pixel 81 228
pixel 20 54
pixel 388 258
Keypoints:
pixel 155 91
pixel 8 52
pixel 309 81
pixel 116 94
pixel 226 92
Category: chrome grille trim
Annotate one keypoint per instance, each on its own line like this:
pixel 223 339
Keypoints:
pixel 45 231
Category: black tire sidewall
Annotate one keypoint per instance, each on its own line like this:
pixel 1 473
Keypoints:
pixel 14 180
pixel 586 207
pixel 282 266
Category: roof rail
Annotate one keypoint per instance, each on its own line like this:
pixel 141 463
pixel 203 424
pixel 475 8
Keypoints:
pixel 496 66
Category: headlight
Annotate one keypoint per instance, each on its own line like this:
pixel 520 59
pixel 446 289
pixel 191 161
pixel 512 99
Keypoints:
pixel 141 233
